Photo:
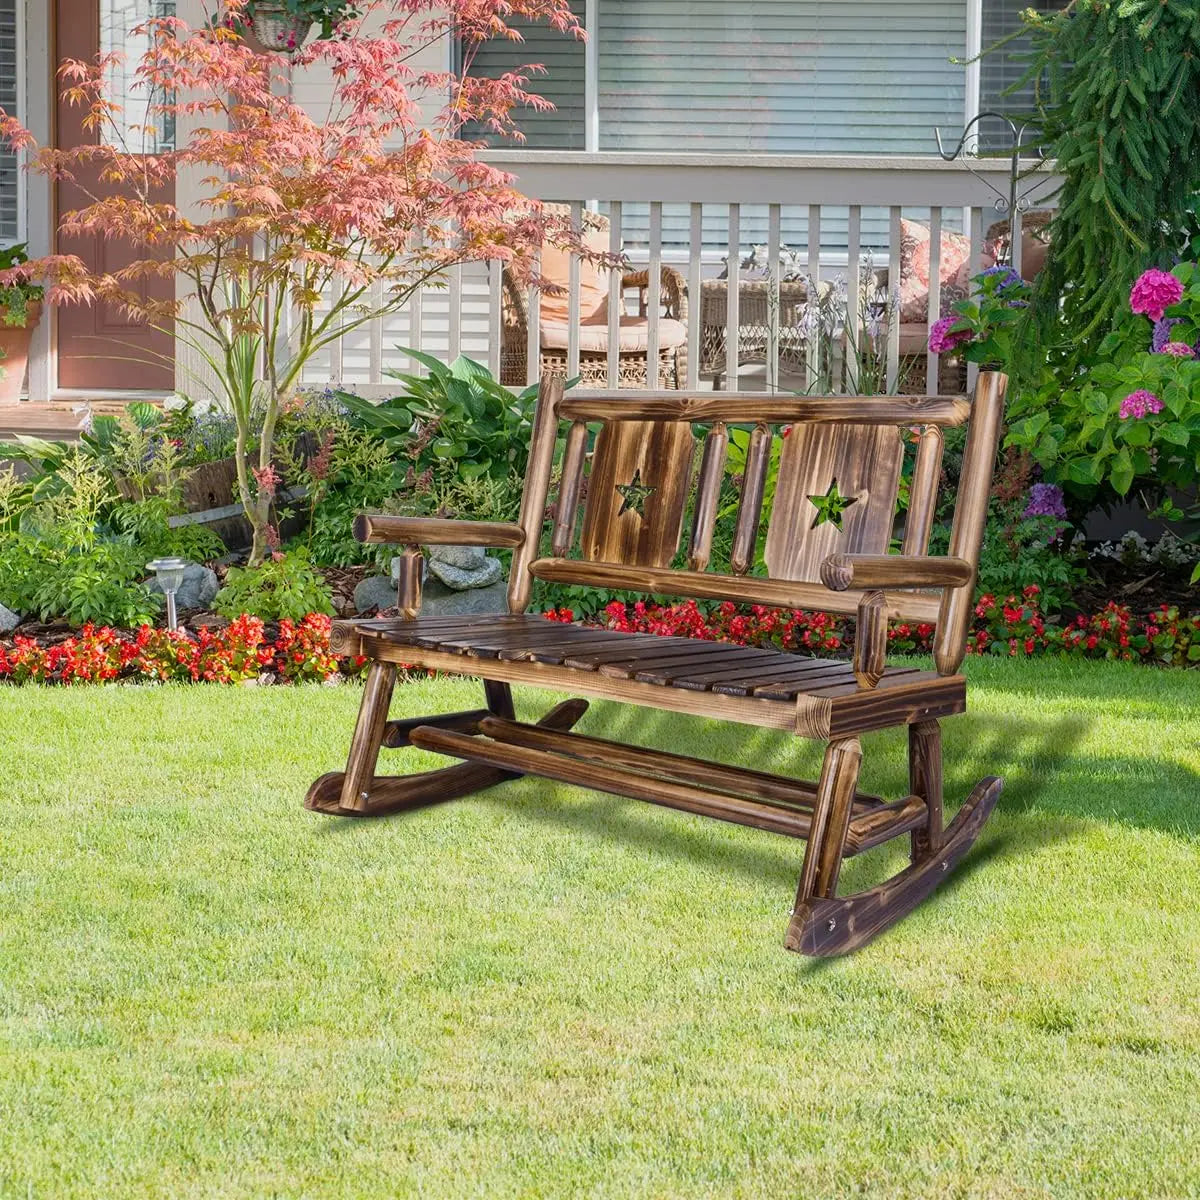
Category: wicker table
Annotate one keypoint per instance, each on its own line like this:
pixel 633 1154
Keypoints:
pixel 754 324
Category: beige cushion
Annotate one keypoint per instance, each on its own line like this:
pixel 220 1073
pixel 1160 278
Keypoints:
pixel 635 333
pixel 593 281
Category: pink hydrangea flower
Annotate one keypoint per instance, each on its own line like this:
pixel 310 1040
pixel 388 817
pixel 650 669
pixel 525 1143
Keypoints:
pixel 1178 349
pixel 942 338
pixel 1154 292
pixel 1139 403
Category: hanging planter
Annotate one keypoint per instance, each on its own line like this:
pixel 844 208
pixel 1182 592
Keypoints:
pixel 279 30
pixel 283 26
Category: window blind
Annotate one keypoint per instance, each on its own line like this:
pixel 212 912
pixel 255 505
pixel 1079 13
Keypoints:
pixel 9 101
pixel 1004 68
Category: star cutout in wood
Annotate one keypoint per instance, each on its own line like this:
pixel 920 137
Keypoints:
pixel 634 495
pixel 830 507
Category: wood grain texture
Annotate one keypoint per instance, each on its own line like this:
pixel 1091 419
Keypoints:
pixel 708 493
pixel 870 640
pixel 878 825
pixel 830 819
pixel 749 513
pixel 653 455
pixel 569 489
pixel 757 785
pixel 537 486
pixel 401 793
pixel 368 736
pixel 408 584
pixel 863 462
pixel 827 927
pixel 619 781
pixel 842 571
pixel 754 407
pixel 768 714
pixel 395 733
pixel 749 589
pixel 433 531
pixel 970 516
pixel 925 780
pixel 923 491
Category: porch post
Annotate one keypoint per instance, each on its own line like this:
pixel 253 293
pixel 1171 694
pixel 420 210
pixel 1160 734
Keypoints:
pixel 37 107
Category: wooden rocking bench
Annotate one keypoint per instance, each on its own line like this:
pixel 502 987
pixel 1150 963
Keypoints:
pixel 826 548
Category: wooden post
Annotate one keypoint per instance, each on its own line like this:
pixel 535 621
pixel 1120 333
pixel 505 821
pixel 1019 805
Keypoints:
pixel 569 488
pixel 925 780
pixel 923 491
pixel 870 640
pixel 368 735
pixel 708 492
pixel 830 820
pixel 745 533
pixel 970 517
pixel 408 586
pixel 537 484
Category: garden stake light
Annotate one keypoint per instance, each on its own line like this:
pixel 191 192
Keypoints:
pixel 169 574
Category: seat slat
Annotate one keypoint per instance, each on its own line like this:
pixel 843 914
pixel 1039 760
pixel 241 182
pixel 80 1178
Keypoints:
pixel 650 663
pixel 554 654
pixel 840 683
pixel 754 685
pixel 698 676
pixel 782 674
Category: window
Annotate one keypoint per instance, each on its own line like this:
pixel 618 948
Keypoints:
pixel 1001 70
pixel 779 76
pixel 776 76
pixel 119 19
pixel 10 206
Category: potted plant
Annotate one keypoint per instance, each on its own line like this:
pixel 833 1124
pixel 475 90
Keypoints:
pixel 20 311
pixel 284 25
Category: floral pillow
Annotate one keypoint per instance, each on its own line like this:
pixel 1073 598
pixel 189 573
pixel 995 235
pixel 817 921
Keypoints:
pixel 954 267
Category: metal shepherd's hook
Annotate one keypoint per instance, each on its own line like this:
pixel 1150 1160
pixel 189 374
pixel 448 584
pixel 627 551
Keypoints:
pixel 1012 203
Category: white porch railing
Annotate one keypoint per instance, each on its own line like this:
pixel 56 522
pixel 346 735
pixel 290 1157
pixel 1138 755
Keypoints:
pixel 839 218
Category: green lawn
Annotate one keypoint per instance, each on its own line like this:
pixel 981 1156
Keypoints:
pixel 539 991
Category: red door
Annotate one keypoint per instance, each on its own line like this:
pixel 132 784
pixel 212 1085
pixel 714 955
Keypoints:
pixel 98 347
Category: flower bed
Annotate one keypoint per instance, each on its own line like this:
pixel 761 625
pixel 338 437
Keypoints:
pixel 1014 626
pixel 245 650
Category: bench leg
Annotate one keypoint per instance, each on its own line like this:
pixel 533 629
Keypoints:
pixel 360 792
pixel 925 780
pixel 824 924
pixel 830 820
pixel 368 736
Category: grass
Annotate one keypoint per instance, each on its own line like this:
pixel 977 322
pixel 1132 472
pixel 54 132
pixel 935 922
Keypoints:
pixel 539 991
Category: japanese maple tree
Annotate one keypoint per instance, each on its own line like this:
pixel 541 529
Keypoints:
pixel 305 225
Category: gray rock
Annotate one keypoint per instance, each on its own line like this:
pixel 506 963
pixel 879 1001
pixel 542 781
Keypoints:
pixel 439 600
pixel 376 591
pixel 198 590
pixel 460 580
pixel 9 620
pixel 465 558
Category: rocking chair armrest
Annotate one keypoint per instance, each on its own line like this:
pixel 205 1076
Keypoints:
pixel 842 571
pixel 433 531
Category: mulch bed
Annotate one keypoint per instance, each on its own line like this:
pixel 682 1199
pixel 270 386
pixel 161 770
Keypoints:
pixel 1142 587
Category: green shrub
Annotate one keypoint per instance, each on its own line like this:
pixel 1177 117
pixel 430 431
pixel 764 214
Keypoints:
pixel 457 422
pixel 284 585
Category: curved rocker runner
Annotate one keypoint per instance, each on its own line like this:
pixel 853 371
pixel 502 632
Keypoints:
pixel 645 461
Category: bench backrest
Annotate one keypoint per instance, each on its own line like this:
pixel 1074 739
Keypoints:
pixel 675 481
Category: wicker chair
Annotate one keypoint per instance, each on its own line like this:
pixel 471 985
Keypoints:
pixel 593 361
